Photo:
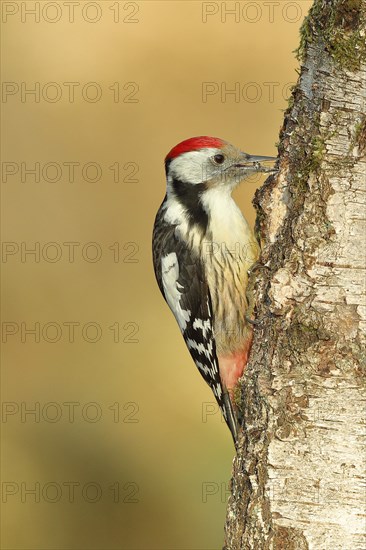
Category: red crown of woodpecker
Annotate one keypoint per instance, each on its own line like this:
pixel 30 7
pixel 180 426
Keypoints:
pixel 194 144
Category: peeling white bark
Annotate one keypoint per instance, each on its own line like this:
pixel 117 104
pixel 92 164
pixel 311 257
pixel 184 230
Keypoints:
pixel 298 479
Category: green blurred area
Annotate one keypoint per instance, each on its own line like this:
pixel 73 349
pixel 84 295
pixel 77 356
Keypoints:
pixel 125 448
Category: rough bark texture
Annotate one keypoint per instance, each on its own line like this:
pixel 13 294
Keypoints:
pixel 297 478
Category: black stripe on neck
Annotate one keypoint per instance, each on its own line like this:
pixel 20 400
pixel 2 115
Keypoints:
pixel 167 164
pixel 189 196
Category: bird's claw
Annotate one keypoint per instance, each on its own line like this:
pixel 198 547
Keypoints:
pixel 255 267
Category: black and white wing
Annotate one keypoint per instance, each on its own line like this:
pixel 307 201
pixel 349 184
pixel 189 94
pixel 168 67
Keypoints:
pixel 182 281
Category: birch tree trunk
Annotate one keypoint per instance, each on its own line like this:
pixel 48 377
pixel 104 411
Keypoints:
pixel 298 474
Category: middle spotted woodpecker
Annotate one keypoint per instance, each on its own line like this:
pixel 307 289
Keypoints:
pixel 202 250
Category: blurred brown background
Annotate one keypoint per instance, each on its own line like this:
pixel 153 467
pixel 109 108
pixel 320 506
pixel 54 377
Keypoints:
pixel 124 447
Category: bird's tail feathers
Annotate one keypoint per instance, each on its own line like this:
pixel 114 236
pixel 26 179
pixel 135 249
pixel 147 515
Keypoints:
pixel 230 416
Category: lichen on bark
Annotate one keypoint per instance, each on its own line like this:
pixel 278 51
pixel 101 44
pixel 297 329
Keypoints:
pixel 296 477
pixel 341 26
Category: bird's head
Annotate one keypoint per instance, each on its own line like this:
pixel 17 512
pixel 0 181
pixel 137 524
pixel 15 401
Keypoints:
pixel 210 162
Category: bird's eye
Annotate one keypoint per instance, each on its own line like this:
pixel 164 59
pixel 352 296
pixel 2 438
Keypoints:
pixel 219 159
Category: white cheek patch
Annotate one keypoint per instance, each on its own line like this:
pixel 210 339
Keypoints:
pixel 170 274
pixel 194 166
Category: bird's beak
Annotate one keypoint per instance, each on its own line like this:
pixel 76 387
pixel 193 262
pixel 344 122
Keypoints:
pixel 254 163
pixel 254 158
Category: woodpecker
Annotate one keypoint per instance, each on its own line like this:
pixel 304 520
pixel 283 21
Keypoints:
pixel 202 250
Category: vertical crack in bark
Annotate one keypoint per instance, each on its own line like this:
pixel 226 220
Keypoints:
pixel 297 475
